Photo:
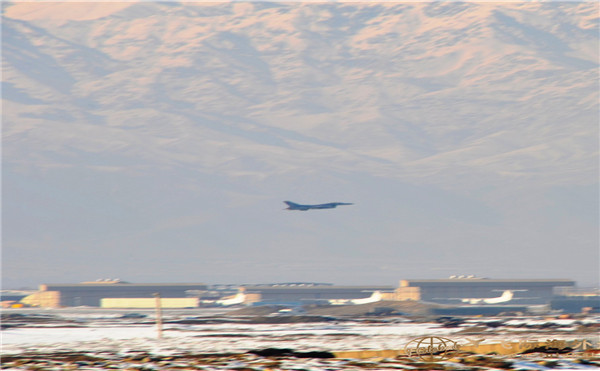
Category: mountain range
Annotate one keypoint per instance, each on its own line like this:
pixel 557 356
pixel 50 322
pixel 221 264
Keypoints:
pixel 156 140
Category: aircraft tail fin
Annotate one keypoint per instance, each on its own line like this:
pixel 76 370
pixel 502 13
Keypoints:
pixel 375 296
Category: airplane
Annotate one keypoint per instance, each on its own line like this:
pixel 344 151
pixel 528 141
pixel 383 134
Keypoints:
pixel 238 298
pixel 507 295
pixel 331 205
pixel 375 297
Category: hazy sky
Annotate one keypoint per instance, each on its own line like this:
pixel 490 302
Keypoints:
pixel 155 142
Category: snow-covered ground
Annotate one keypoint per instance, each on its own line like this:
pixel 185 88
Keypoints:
pixel 210 339
pixel 103 331
pixel 209 331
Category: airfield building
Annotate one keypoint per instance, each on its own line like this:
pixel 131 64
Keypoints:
pixel 456 289
pixel 92 293
pixel 306 293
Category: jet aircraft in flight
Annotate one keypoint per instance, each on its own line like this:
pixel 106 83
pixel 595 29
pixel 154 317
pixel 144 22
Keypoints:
pixel 331 205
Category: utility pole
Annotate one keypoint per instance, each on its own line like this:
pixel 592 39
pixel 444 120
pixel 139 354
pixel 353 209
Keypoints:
pixel 158 315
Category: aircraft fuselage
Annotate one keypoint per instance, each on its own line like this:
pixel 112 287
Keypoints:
pixel 331 205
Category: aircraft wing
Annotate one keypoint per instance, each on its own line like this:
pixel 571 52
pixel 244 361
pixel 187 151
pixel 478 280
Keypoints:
pixel 323 206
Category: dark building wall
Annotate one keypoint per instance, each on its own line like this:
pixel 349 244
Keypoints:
pixel 575 304
pixel 73 295
pixel 291 293
pixel 13 297
pixel 491 310
pixel 450 291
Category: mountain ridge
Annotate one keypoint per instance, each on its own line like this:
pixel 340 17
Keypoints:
pixel 169 133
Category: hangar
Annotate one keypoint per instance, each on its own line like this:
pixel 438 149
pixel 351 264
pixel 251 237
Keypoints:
pixel 91 293
pixel 456 288
pixel 304 293
pixel 452 291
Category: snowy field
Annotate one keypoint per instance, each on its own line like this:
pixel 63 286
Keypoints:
pixel 40 336
pixel 200 330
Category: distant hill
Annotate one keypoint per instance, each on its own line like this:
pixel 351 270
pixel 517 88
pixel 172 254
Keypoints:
pixel 249 89
pixel 156 141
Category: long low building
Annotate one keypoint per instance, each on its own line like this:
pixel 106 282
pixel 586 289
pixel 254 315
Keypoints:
pixel 299 293
pixel 452 291
pixel 91 293
pixel 457 290
pixel 148 302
